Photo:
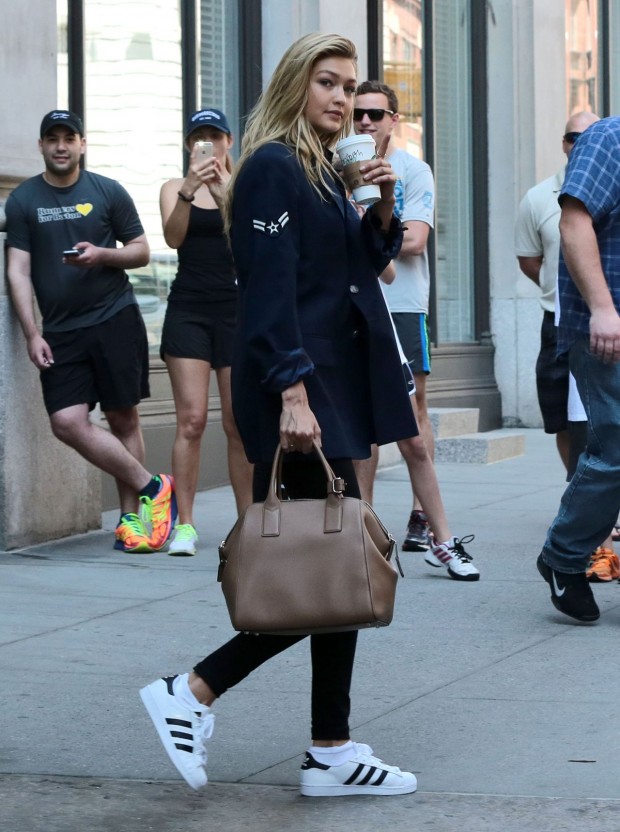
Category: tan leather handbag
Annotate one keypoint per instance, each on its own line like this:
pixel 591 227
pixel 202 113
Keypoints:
pixel 308 566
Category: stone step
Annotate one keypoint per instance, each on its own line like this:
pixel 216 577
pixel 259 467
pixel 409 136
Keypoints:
pixel 482 448
pixel 453 421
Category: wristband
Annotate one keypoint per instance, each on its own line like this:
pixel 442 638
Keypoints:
pixel 184 198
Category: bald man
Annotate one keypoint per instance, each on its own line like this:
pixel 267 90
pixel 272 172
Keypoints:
pixel 537 246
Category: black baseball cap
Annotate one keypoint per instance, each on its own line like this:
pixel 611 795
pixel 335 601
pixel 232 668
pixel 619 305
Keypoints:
pixel 62 117
pixel 207 118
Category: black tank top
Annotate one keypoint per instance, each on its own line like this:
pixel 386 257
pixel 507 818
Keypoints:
pixel 206 272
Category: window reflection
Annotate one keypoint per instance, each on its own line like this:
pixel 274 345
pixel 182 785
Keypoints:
pixel 219 63
pixel 134 109
pixel 403 56
pixel 453 165
pixel 134 122
pixel 402 69
pixel 62 70
pixel 582 56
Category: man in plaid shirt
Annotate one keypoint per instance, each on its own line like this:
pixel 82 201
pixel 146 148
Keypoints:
pixel 589 330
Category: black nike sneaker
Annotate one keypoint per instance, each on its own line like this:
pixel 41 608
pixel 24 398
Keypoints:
pixel 570 593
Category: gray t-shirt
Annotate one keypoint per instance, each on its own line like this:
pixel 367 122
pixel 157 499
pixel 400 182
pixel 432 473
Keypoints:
pixel 415 200
pixel 44 221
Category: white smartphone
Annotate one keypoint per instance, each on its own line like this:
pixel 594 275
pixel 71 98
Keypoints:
pixel 204 150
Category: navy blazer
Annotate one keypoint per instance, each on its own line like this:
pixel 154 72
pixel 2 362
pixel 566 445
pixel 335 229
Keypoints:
pixel 311 309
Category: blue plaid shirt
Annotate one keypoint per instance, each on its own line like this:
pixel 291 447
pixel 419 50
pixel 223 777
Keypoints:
pixel 593 177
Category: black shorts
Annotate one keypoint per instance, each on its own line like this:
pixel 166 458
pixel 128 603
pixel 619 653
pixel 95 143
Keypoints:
pixel 552 378
pixel 106 363
pixel 578 436
pixel 206 332
pixel 414 337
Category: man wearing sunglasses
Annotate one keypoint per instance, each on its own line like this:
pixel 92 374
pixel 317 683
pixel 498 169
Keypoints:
pixel 376 114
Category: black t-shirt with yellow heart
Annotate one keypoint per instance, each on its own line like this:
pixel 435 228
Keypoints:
pixel 45 221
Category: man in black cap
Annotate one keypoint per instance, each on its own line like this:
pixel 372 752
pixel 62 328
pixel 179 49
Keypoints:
pixel 62 232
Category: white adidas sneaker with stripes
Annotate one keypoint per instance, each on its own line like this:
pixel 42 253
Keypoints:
pixel 183 732
pixel 363 774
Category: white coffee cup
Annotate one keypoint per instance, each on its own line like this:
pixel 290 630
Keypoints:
pixel 352 152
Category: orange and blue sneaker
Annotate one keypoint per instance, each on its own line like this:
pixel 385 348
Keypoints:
pixel 131 535
pixel 160 512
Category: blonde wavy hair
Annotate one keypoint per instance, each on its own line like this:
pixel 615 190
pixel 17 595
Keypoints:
pixel 278 115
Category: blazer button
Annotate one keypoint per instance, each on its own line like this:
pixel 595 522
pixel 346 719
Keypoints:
pixel 354 289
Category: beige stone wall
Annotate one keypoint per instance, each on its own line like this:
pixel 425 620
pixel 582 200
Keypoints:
pixel 46 489
pixel 28 73
pixel 527 114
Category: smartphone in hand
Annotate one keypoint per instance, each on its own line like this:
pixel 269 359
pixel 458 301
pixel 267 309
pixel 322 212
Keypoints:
pixel 204 150
pixel 72 252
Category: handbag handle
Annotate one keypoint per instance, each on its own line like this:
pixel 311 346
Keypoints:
pixel 333 504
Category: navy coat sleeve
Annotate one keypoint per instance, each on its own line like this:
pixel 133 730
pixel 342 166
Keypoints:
pixel 265 238
pixel 381 246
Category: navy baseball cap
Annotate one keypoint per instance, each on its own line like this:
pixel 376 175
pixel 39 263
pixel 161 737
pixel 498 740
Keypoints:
pixel 62 117
pixel 207 118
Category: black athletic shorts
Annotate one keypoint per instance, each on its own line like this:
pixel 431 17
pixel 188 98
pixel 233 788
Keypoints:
pixel 206 332
pixel 552 378
pixel 106 363
pixel 414 337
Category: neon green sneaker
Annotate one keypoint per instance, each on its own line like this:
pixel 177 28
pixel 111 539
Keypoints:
pixel 131 535
pixel 184 541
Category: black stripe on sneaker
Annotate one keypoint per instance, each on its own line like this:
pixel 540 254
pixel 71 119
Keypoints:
pixel 353 778
pixel 182 747
pixel 380 778
pixel 371 770
pixel 181 735
pixel 182 723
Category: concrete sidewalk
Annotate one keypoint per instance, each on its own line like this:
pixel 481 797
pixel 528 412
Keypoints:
pixel 503 708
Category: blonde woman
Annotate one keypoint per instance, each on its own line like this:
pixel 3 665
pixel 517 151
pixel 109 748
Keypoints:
pixel 315 359
pixel 201 317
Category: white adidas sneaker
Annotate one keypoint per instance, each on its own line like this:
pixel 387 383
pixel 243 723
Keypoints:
pixel 454 558
pixel 183 732
pixel 363 774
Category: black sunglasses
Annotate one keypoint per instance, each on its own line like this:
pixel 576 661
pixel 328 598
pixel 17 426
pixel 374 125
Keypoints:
pixel 571 138
pixel 374 113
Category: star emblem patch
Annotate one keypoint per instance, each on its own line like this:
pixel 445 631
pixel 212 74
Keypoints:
pixel 274 227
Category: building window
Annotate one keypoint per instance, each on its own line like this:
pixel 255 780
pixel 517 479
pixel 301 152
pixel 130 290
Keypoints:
pixel 122 65
pixel 453 171
pixel 133 119
pixel 219 59
pixel 406 70
pixel 62 68
pixel 582 56
pixel 402 70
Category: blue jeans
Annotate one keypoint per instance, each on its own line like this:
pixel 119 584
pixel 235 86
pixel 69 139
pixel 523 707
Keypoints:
pixel 590 505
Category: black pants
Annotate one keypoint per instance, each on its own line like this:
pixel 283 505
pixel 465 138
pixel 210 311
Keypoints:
pixel 332 653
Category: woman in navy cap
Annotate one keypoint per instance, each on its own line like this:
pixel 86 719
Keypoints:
pixel 315 359
pixel 200 319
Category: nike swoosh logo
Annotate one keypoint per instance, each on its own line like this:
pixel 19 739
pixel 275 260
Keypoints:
pixel 558 592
